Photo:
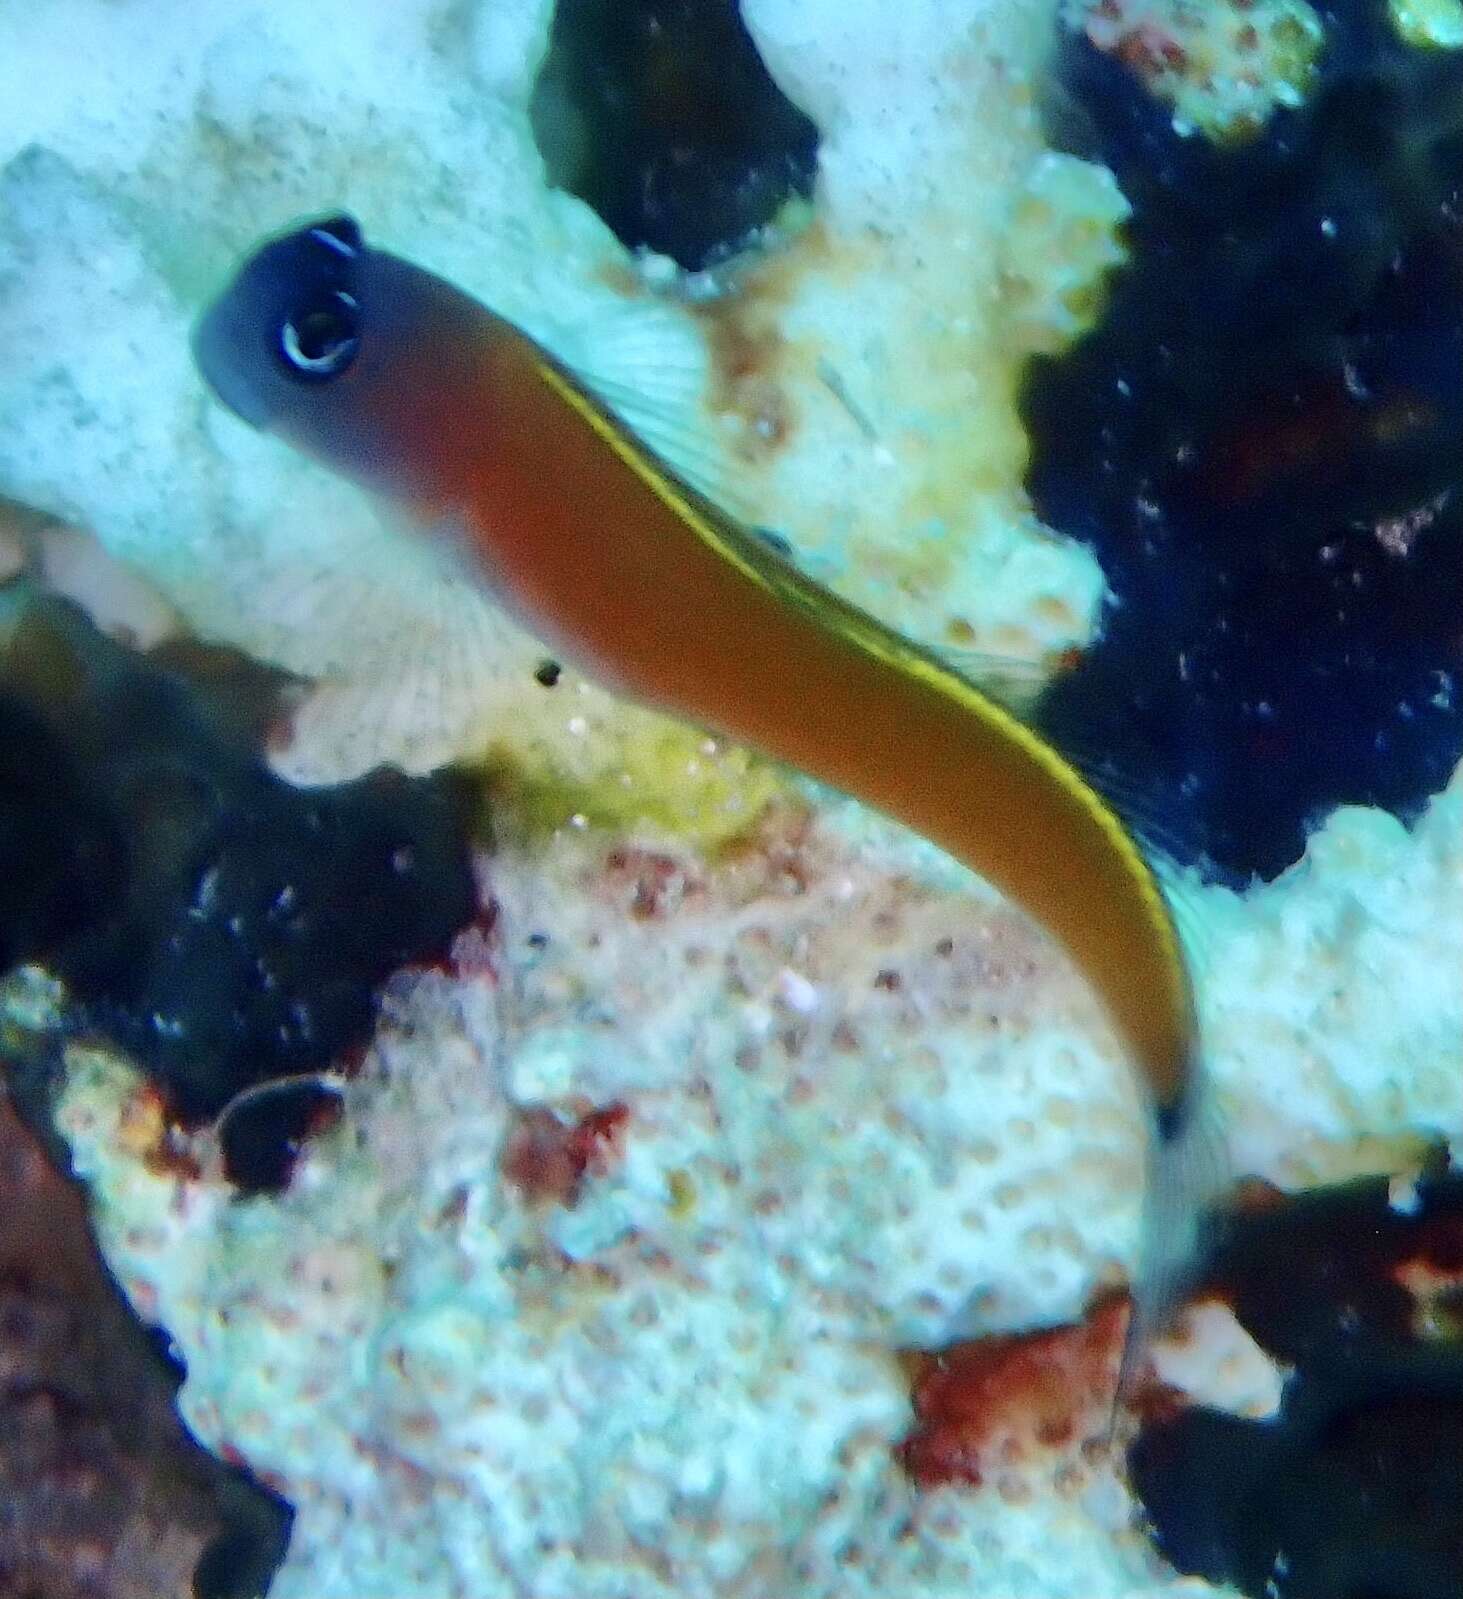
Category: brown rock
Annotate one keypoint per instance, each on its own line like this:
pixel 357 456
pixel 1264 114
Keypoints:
pixel 103 1493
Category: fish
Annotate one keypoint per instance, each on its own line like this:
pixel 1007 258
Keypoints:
pixel 624 567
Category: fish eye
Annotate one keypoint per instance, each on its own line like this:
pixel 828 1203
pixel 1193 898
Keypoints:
pixel 321 339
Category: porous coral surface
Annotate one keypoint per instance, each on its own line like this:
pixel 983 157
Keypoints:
pixel 847 1107
pixel 677 1374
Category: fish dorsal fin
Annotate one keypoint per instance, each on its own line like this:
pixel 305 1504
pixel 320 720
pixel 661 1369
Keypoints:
pixel 1013 683
pixel 1171 844
pixel 1168 840
pixel 647 364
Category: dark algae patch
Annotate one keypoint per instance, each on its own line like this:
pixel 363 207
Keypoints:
pixel 221 925
pixel 1355 1491
pixel 661 115
pixel 1260 441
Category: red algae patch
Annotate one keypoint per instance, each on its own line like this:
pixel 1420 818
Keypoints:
pixel 649 883
pixel 1223 68
pixel 985 1410
pixel 546 1159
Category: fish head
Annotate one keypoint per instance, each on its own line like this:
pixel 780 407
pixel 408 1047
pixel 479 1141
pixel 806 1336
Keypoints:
pixel 357 358
pixel 290 321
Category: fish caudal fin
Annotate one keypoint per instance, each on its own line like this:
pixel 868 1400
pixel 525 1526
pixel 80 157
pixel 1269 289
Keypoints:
pixel 1187 1169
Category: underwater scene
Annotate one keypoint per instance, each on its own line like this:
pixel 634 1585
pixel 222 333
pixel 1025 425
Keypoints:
pixel 731 825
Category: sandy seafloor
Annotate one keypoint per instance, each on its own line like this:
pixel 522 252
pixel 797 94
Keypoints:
pixel 686 1380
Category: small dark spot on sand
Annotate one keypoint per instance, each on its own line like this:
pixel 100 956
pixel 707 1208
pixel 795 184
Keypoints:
pixel 263 1133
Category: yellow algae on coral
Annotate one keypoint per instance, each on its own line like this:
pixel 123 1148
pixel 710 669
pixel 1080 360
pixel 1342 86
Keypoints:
pixel 1063 241
pixel 615 766
pixel 1429 22
pixel 682 1192
pixel 1223 67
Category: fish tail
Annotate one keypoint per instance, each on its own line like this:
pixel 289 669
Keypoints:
pixel 1187 1169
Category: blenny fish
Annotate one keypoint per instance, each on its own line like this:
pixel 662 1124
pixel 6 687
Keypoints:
pixel 420 393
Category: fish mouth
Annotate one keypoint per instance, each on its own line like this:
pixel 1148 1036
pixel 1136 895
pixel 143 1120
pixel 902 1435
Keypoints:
pixel 215 345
